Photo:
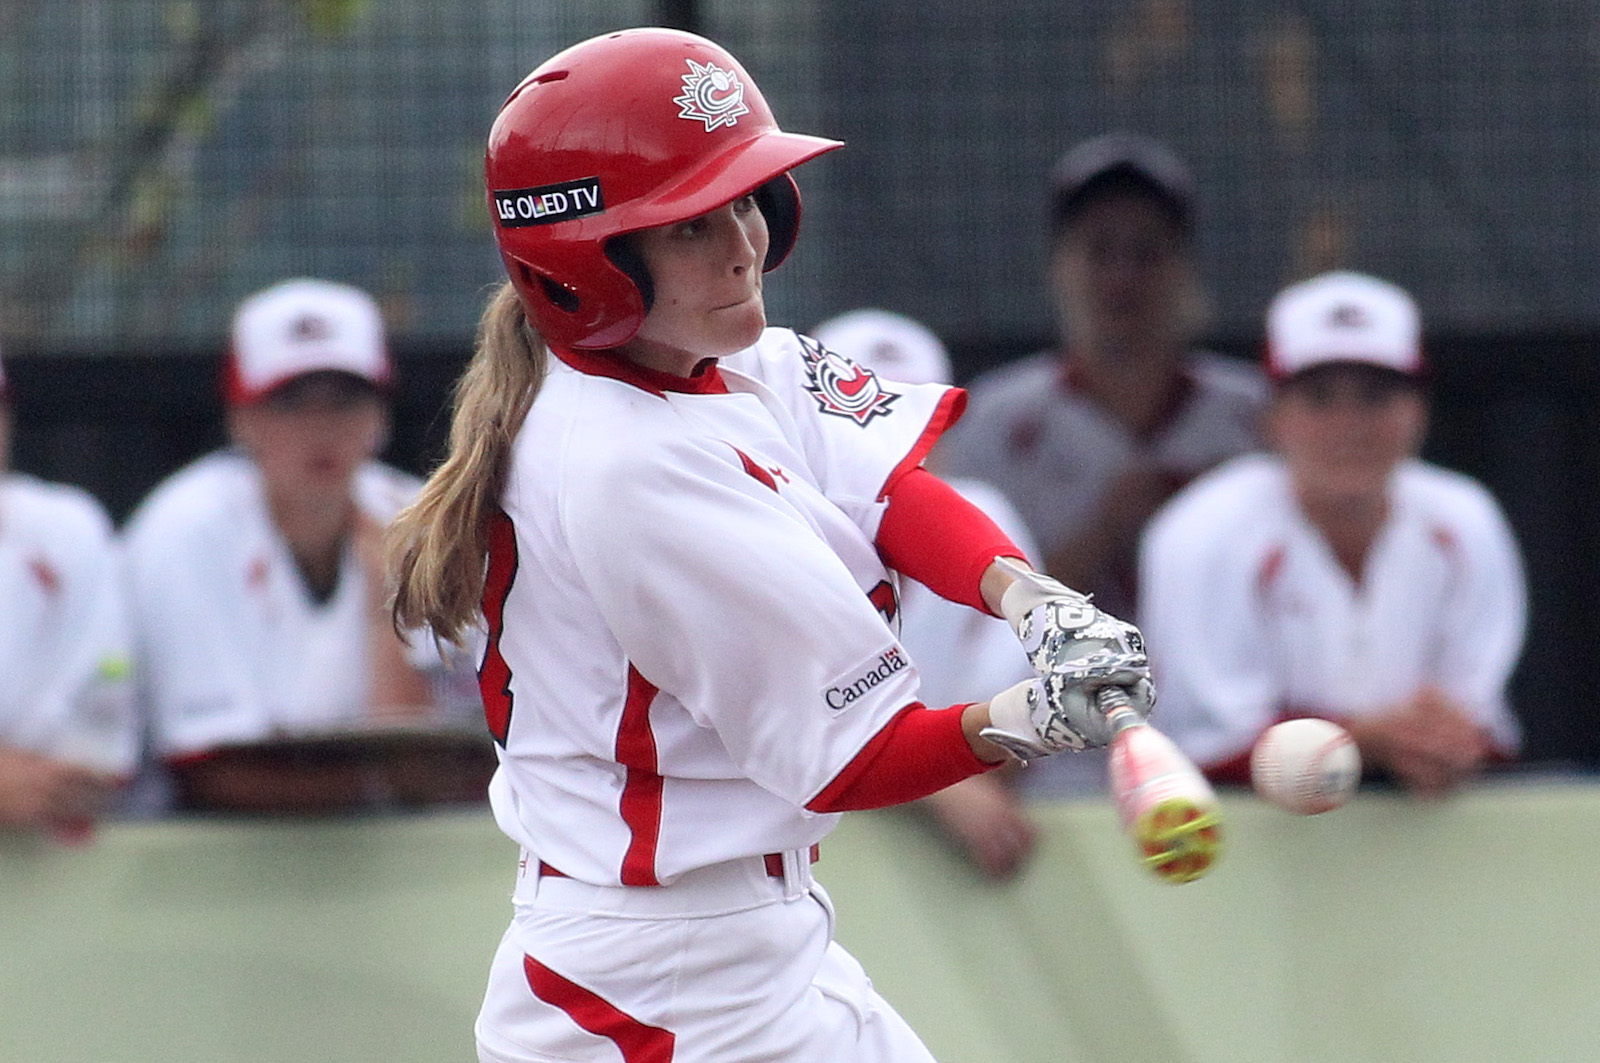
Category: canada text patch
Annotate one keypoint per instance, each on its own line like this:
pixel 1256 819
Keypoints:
pixel 840 694
pixel 517 208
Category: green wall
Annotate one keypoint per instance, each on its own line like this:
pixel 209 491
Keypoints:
pixel 1456 931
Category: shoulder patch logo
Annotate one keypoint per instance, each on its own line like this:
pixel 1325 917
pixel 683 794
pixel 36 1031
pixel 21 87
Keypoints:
pixel 711 95
pixel 843 388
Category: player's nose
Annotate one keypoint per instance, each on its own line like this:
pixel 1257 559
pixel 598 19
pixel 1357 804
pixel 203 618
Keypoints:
pixel 747 243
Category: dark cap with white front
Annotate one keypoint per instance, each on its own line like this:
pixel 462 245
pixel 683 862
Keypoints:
pixel 1121 162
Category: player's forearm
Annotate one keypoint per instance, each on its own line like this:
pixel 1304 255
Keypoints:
pixel 974 718
pixel 398 689
pixel 934 535
pixel 994 583
pixel 919 752
pixel 39 793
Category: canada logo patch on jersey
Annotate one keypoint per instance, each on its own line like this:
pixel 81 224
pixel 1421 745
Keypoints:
pixel 843 388
pixel 843 692
pixel 711 95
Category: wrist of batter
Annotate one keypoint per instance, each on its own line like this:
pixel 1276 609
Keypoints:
pixel 974 718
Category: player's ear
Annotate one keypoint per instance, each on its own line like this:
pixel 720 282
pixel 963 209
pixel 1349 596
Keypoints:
pixel 1420 419
pixel 1272 421
pixel 5 433
pixel 241 427
pixel 383 426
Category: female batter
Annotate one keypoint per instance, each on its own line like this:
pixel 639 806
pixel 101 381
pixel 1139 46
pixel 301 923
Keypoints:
pixel 682 530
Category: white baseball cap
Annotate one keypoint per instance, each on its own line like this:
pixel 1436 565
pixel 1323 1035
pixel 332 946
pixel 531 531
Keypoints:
pixel 891 345
pixel 304 326
pixel 1343 317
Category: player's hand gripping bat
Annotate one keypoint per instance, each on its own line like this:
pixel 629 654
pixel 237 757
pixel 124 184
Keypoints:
pixel 1076 650
pixel 1094 689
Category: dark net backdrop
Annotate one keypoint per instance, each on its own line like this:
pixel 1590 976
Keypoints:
pixel 160 159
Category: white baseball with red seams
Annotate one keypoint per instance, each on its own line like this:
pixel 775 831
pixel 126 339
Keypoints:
pixel 1305 766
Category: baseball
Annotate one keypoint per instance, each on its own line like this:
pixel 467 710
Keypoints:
pixel 1305 766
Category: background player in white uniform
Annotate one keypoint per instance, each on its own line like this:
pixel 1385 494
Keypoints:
pixel 255 569
pixel 691 665
pixel 1341 576
pixel 961 654
pixel 68 737
pixel 1087 439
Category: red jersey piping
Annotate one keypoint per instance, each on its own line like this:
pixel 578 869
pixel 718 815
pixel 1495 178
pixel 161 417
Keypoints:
pixel 640 804
pixel 952 404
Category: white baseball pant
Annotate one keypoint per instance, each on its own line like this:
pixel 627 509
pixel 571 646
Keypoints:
pixel 726 965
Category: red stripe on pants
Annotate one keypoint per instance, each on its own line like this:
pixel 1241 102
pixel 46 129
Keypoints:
pixel 639 1042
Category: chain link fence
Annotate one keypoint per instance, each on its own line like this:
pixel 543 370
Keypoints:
pixel 161 159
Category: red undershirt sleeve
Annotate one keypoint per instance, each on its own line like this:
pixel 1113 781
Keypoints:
pixel 917 753
pixel 934 535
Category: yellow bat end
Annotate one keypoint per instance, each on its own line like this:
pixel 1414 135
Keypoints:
pixel 1179 839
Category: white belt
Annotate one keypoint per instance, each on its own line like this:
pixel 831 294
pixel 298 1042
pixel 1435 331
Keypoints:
pixel 734 886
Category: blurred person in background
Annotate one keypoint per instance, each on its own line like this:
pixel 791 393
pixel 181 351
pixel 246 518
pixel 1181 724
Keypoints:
pixel 68 734
pixel 960 653
pixel 258 588
pixel 1087 439
pixel 1339 576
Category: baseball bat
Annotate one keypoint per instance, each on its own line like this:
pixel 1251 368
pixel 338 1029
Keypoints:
pixel 1163 801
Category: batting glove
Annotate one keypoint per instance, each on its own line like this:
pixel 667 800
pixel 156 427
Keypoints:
pixel 1077 650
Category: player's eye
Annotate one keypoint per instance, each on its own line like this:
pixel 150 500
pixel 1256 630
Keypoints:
pixel 744 204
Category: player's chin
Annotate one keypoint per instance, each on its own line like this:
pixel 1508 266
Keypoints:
pixel 327 476
pixel 738 326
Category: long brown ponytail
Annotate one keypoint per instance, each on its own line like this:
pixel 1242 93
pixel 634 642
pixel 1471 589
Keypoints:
pixel 439 543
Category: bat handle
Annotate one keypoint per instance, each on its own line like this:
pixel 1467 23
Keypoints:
pixel 1118 710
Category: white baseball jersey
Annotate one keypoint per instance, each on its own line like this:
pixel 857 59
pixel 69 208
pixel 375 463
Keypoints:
pixel 1054 451
pixel 963 655
pixel 232 646
pixel 689 625
pixel 65 685
pixel 1248 614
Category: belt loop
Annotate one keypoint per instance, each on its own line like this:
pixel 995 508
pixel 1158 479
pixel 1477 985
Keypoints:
pixel 796 873
pixel 529 872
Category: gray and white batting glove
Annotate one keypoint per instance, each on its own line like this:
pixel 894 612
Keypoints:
pixel 1077 650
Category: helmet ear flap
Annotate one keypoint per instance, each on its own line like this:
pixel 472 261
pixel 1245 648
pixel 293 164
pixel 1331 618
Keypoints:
pixel 624 254
pixel 535 287
pixel 606 313
pixel 779 203
pixel 564 298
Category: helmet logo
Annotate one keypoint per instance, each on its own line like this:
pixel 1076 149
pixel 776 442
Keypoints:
pixel 517 208
pixel 842 387
pixel 711 95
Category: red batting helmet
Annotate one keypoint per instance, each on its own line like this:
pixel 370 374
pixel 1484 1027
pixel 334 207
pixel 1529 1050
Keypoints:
pixel 624 132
